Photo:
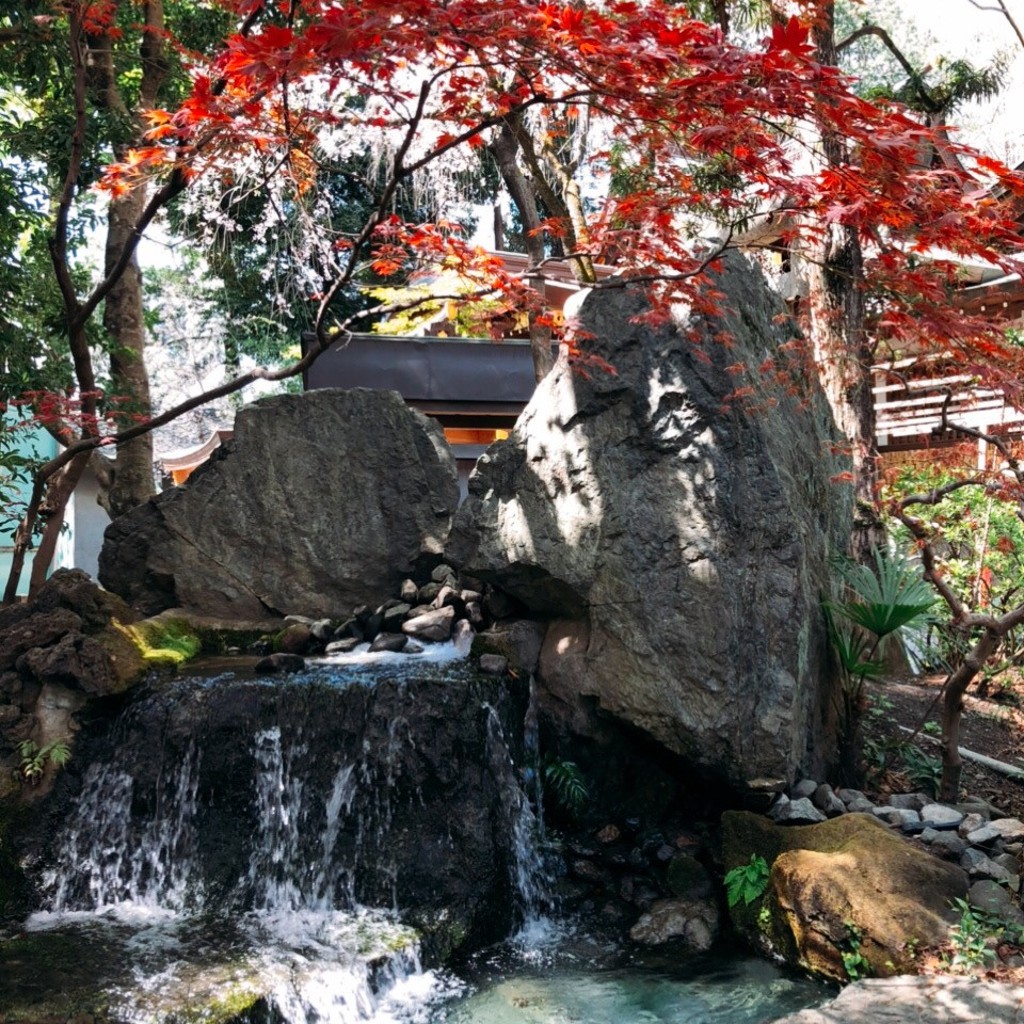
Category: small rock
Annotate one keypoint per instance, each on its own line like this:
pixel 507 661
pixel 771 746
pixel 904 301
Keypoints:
pixel 695 922
pixel 413 648
pixel 449 596
pixel 493 664
pixel 322 629
pixel 848 795
pixel 977 865
pixel 982 836
pixel 826 800
pixel 435 625
pixel 393 642
pixel 804 788
pixel 471 596
pixel 971 823
pixel 1008 861
pixel 860 805
pixel 1011 830
pixel 664 853
pixel 947 845
pixel 298 620
pixel 443 574
pixel 796 812
pixel 940 816
pixel 993 899
pixel 897 815
pixel 395 616
pixel 475 613
pixel 408 591
pixel 349 644
pixel 427 593
pixel 280 662
pixel 350 628
pixel 609 834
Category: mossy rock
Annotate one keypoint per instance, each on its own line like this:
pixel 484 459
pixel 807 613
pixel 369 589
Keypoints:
pixel 687 877
pixel 846 886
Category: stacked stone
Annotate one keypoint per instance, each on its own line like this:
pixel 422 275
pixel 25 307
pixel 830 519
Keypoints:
pixel 653 883
pixel 437 611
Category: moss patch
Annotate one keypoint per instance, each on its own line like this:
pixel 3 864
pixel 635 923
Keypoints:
pixel 162 643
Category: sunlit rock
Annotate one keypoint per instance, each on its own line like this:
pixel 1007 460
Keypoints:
pixel 674 521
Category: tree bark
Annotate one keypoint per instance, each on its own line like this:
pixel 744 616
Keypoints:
pixel 841 347
pixel 123 319
pixel 504 149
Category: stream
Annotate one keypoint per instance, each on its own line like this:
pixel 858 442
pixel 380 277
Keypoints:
pixel 212 857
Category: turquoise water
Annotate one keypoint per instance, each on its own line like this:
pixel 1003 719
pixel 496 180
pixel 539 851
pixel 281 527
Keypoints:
pixel 584 984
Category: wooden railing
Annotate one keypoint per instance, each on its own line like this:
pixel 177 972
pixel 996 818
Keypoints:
pixel 909 399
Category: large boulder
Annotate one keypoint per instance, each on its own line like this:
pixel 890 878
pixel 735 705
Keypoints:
pixel 323 501
pixel 675 519
pixel 843 895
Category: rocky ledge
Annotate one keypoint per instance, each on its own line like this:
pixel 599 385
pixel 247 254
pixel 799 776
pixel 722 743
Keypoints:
pixel 926 1000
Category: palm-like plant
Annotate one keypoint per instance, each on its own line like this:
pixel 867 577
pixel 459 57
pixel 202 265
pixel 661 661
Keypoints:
pixel 883 601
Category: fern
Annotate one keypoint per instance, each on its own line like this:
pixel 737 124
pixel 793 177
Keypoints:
pixel 565 782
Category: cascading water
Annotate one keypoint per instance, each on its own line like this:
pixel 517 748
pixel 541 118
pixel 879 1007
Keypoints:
pixel 247 826
pixel 217 858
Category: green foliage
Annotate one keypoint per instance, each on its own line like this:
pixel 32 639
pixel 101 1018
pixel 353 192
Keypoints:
pixel 980 544
pixel 855 963
pixel 748 882
pixel 885 598
pixel 34 759
pixel 565 782
pixel 971 937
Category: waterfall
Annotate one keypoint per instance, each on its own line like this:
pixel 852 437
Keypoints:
pixel 235 835
pixel 527 868
pixel 107 856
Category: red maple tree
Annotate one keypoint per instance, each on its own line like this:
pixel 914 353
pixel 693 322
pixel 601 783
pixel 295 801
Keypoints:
pixel 692 138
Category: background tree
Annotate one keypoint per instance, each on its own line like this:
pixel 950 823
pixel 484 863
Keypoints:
pixel 688 132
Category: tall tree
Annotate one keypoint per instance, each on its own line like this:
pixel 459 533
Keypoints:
pixel 690 129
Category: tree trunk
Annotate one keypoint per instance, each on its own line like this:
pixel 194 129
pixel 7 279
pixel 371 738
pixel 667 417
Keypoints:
pixel 58 493
pixel 123 319
pixel 504 150
pixel 840 344
pixel 953 709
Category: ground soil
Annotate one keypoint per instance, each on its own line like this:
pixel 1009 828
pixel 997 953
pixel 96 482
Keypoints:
pixel 993 725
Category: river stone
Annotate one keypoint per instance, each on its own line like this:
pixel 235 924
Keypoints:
pixel 681 539
pixel 848 869
pixel 694 922
pixel 941 816
pixel 323 501
pixel 435 624
pixel 393 642
pixel 922 1000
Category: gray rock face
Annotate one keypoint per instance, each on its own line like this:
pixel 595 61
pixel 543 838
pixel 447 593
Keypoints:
pixel 679 538
pixel 322 502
